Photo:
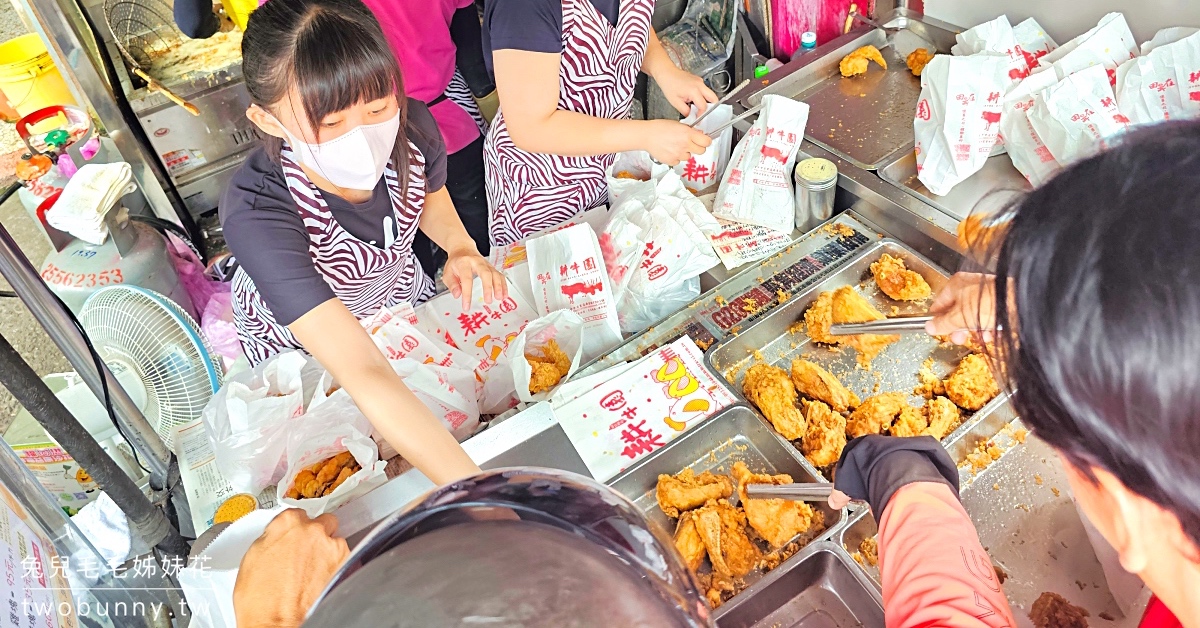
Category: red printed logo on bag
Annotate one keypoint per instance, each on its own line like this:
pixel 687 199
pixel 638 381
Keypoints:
pixel 408 343
pixel 455 419
pixel 923 110
pixel 991 117
pixel 613 401
pixel 656 272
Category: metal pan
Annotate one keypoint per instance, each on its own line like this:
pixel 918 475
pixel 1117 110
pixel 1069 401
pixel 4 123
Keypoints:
pixel 817 587
pixel 994 184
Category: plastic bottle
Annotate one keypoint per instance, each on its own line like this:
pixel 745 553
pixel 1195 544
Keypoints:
pixel 808 42
pixel 770 66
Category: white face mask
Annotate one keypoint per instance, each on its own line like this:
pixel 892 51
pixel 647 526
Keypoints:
pixel 355 160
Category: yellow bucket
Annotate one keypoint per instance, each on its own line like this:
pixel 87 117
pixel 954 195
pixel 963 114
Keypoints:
pixel 29 78
pixel 239 11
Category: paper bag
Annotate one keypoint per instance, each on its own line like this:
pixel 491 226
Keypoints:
pixel 701 173
pixel 329 429
pixel 450 394
pixel 1166 36
pixel 208 580
pixel 1077 116
pixel 994 37
pixel 1026 149
pixel 483 331
pixel 1163 85
pixel 958 117
pixel 565 328
pixel 1109 44
pixel 1033 42
pixel 756 188
pixel 568 273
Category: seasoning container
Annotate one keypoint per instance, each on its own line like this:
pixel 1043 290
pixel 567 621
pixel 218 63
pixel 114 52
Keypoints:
pixel 816 186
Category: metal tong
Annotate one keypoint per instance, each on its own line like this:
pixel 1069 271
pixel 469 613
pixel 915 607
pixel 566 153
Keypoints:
pixel 896 325
pixel 745 114
pixel 733 92
pixel 804 492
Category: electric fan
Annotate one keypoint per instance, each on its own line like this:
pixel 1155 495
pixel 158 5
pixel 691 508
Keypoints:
pixel 141 331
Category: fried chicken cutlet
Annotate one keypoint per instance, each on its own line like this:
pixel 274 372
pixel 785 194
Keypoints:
pixel 897 281
pixel 813 381
pixel 848 306
pixel 917 60
pixel 855 63
pixel 723 529
pixel 876 414
pixel 777 521
pixel 771 390
pixel 688 542
pixel 548 368
pixel 686 490
pixel 971 385
pixel 826 436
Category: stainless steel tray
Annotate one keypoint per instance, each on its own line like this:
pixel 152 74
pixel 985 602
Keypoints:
pixel 734 434
pixel 895 369
pixel 860 526
pixel 818 587
pixel 864 119
pixel 996 183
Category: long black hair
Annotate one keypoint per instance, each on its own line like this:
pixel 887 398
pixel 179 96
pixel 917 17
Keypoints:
pixel 336 55
pixel 1098 292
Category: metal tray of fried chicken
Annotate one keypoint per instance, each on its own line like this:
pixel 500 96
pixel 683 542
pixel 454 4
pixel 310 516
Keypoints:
pixel 706 455
pixel 913 360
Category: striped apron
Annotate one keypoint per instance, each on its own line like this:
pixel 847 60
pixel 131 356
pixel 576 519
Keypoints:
pixel 363 276
pixel 459 92
pixel 598 70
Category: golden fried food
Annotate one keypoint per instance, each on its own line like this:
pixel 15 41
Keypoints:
pixel 855 63
pixel 917 60
pixel 978 233
pixel 1052 610
pixel 322 478
pixel 723 528
pixel 818 317
pixel 235 508
pixel 911 422
pixel 688 542
pixel 771 390
pixel 777 521
pixel 548 368
pixel 849 306
pixel 931 385
pixel 971 385
pixel 869 548
pixel 943 416
pixel 686 490
pixel 812 380
pixel 875 414
pixel 826 435
pixel 897 281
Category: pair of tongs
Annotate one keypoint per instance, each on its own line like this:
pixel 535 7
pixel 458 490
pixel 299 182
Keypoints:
pixel 804 492
pixel 895 325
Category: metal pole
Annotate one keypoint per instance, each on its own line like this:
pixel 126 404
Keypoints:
pixel 20 274
pixel 145 520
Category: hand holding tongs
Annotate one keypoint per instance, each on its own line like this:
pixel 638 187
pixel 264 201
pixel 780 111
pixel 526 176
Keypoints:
pixel 733 92
pixel 896 325
pixel 745 114
pixel 804 492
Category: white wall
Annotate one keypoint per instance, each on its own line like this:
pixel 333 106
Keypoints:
pixel 1064 20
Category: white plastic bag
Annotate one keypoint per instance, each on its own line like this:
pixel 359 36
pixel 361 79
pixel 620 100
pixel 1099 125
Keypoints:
pixel 756 188
pixel 701 173
pixel 329 429
pixel 448 392
pixel 994 37
pixel 248 420
pixel 1109 44
pixel 1077 116
pixel 1163 85
pixel 565 328
pixel 630 172
pixel 1166 36
pixel 1033 42
pixel 958 117
pixel 568 272
pixel 1026 149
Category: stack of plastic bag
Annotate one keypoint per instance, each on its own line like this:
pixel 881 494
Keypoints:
pixel 87 198
pixel 1164 84
pixel 1033 42
pixel 994 38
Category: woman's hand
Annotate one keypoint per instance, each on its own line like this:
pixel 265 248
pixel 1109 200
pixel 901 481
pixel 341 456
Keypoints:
pixel 285 570
pixel 966 303
pixel 461 269
pixel 684 89
pixel 670 142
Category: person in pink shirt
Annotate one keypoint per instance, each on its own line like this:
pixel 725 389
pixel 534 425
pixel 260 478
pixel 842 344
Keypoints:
pixel 439 46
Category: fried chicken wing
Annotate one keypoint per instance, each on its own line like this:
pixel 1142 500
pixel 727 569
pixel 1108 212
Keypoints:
pixel 688 542
pixel 777 521
pixel 875 414
pixel 818 317
pixel 826 436
pixel 971 385
pixel 855 63
pixel 897 281
pixel 771 390
pixel 723 529
pixel 548 368
pixel 686 490
pixel 849 306
pixel 917 60
pixel 943 417
pixel 812 380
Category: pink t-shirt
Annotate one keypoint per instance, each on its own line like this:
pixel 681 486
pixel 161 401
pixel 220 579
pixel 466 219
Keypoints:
pixel 419 32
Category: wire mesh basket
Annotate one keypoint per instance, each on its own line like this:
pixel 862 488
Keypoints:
pixel 142 28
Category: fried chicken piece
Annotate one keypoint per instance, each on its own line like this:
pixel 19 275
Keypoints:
pixel 771 390
pixel 897 281
pixel 688 542
pixel 342 477
pixel 931 385
pixel 548 368
pixel 812 380
pixel 686 490
pixel 869 548
pixel 911 422
pixel 855 63
pixel 875 414
pixel 971 385
pixel 1052 610
pixel 943 417
pixel 777 521
pixel 818 317
pixel 917 60
pixel 723 529
pixel 826 436
pixel 849 306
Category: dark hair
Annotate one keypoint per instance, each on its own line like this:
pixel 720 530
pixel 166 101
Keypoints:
pixel 336 55
pixel 1103 346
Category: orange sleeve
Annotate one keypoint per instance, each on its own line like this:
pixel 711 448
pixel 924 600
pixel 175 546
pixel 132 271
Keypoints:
pixel 935 572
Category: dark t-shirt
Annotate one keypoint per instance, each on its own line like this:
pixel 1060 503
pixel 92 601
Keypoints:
pixel 530 25
pixel 265 233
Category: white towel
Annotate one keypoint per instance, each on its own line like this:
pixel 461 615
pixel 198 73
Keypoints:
pixel 87 199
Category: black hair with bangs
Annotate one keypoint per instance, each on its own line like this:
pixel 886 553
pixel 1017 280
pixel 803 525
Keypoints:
pixel 333 52
pixel 1098 295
